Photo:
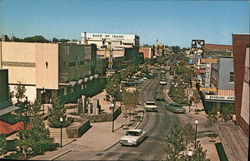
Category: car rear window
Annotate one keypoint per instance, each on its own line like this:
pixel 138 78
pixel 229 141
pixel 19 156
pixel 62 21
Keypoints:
pixel 150 103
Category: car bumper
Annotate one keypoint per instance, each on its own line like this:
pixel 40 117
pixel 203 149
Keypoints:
pixel 125 142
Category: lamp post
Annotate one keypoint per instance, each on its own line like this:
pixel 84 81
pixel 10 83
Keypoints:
pixel 42 98
pixel 189 102
pixel 61 120
pixel 190 154
pixel 113 107
pixel 196 126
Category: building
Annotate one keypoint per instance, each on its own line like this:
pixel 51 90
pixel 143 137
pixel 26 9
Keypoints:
pixel 103 40
pixel 159 49
pixel 222 80
pixel 147 52
pixel 5 104
pixel 50 68
pixel 240 43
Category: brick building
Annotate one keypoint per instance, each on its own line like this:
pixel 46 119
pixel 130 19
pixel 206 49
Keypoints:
pixel 240 43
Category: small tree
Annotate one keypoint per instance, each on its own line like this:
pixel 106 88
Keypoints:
pixel 10 94
pixel 20 91
pixel 200 155
pixel 58 111
pixel 189 135
pixel 130 102
pixel 3 145
pixel 175 144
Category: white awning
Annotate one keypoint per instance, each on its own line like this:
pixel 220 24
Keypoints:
pixel 91 77
pixel 96 75
pixel 80 81
pixel 72 83
pixel 86 79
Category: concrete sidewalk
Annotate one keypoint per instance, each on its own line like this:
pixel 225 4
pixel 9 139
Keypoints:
pixel 98 138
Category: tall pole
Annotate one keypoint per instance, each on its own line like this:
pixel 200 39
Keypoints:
pixel 61 120
pixel 113 108
pixel 196 126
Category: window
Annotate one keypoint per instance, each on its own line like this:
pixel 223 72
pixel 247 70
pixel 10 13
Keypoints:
pixel 231 79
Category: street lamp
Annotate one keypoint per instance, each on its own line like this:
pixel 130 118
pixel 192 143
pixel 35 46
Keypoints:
pixel 189 101
pixel 113 107
pixel 196 125
pixel 190 154
pixel 61 120
pixel 42 98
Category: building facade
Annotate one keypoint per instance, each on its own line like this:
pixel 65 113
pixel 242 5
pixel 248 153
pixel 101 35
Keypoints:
pixel 240 43
pixel 115 40
pixel 147 52
pixel 222 79
pixel 50 67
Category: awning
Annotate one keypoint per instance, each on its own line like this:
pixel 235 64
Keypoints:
pixel 96 75
pixel 8 110
pixel 72 83
pixel 91 77
pixel 80 81
pixel 86 79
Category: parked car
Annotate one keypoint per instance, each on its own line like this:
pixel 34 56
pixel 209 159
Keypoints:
pixel 150 106
pixel 133 137
pixel 163 82
pixel 175 108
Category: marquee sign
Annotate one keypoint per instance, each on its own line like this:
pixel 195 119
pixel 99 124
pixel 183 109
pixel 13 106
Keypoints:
pixel 209 60
pixel 218 97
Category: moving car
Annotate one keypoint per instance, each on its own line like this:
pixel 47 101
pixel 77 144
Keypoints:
pixel 150 106
pixel 163 82
pixel 133 137
pixel 175 108
pixel 159 96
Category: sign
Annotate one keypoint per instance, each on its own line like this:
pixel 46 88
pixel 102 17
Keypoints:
pixel 218 97
pixel 209 60
pixel 200 71
pixel 208 89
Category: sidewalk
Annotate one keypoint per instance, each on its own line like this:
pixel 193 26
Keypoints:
pixel 98 138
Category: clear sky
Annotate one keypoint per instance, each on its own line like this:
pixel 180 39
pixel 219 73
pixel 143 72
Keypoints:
pixel 171 22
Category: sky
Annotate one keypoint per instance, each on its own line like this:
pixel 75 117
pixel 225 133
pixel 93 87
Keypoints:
pixel 168 21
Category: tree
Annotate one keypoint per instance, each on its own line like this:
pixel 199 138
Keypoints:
pixel 34 137
pixel 36 38
pixel 20 91
pixel 58 111
pixel 55 39
pixel 3 145
pixel 200 154
pixel 130 102
pixel 10 94
pixel 189 135
pixel 175 145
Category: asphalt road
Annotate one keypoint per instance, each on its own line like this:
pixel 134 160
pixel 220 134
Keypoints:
pixel 157 124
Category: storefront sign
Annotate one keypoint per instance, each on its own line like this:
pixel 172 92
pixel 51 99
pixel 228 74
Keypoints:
pixel 208 89
pixel 209 60
pixel 218 97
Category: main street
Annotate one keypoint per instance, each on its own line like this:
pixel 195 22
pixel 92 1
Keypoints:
pixel 157 124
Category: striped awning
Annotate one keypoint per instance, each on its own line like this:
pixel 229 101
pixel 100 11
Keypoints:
pixel 223 92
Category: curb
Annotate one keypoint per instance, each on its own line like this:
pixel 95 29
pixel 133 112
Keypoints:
pixel 58 156
pixel 111 146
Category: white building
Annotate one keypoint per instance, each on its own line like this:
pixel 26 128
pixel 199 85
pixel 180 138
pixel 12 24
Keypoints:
pixel 115 40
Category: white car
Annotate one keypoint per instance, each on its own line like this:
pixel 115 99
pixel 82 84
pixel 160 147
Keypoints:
pixel 133 137
pixel 163 82
pixel 150 106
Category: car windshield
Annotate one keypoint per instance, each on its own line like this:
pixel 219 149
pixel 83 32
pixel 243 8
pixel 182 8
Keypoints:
pixel 150 103
pixel 133 133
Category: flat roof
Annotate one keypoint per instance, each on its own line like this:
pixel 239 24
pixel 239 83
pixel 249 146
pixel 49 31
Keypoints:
pixel 8 110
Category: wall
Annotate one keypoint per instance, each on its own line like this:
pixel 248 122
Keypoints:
pixel 4 100
pixel 226 66
pixel 240 41
pixel 47 66
pixel 19 58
